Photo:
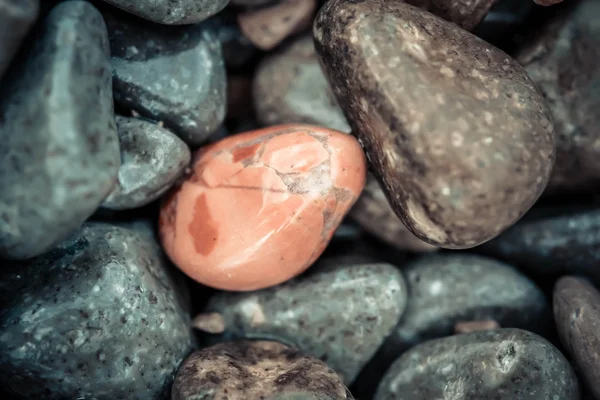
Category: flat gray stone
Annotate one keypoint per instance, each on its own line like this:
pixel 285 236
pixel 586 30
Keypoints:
pixel 152 158
pixel 174 75
pixel 16 18
pixel 58 137
pixel 98 317
pixel 503 364
pixel 171 12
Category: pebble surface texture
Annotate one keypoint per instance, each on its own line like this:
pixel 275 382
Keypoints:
pixel 175 75
pixel 337 312
pixel 458 134
pixel 16 18
pixel 260 207
pixel 465 13
pixel 577 316
pixel 96 317
pixel 58 132
pixel 564 60
pixel 374 214
pixel 152 158
pixel 171 12
pixel 504 364
pixel 290 86
pixel 256 370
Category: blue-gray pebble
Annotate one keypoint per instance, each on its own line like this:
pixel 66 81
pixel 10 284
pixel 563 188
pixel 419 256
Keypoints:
pixel 16 18
pixel 171 12
pixel 98 317
pixel 175 75
pixel 58 137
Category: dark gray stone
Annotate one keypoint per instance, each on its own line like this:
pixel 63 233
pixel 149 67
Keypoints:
pixel 175 75
pixel 97 317
pixel 171 12
pixel 58 139
pixel 16 18
pixel 577 315
pixel 339 312
pixel 237 48
pixel 152 158
pixel 503 364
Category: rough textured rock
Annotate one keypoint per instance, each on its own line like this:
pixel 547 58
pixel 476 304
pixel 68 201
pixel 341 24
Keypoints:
pixel 374 214
pixel 504 364
pixel 174 75
pixel 16 18
pixel 152 158
pixel 256 370
pixel 96 317
pixel 564 61
pixel 453 127
pixel 290 86
pixel 339 313
pixel 465 13
pixel 57 132
pixel 171 12
pixel 577 315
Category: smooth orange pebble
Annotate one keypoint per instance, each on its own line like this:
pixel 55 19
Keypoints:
pixel 261 206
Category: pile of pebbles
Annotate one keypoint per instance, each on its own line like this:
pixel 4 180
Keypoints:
pixel 467 269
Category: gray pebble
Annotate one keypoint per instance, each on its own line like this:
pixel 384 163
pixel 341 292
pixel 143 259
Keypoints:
pixel 337 312
pixel 16 18
pixel 98 317
pixel 175 75
pixel 577 315
pixel 237 48
pixel 58 137
pixel 152 158
pixel 256 370
pixel 503 364
pixel 171 12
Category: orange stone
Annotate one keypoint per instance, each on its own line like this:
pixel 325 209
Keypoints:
pixel 260 207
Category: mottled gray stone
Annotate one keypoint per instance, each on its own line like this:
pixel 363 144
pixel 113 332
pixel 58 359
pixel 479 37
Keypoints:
pixel 16 18
pixel 175 75
pixel 256 370
pixel 290 87
pixel 98 317
pixel 503 364
pixel 466 14
pixel 152 158
pixel 577 315
pixel 171 12
pixel 58 138
pixel 337 312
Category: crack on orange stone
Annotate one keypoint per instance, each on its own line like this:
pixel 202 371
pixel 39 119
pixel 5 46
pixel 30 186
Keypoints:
pixel 203 228
pixel 242 153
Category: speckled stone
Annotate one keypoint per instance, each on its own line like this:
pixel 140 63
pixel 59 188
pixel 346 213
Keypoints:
pixel 174 75
pixel 98 317
pixel 453 127
pixel 171 12
pixel 340 313
pixel 467 14
pixel 57 133
pixel 374 214
pixel 256 370
pixel 564 60
pixel 504 364
pixel 16 18
pixel 553 245
pixel 152 158
pixel 290 86
pixel 577 315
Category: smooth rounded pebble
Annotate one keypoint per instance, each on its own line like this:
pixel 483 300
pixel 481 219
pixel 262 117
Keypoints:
pixel 16 18
pixel 152 158
pixel 338 313
pixel 256 370
pixel 171 12
pixel 236 48
pixel 97 317
pixel 503 364
pixel 564 61
pixel 466 14
pixel 290 86
pixel 455 130
pixel 174 75
pixel 58 139
pixel 260 207
pixel 577 315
